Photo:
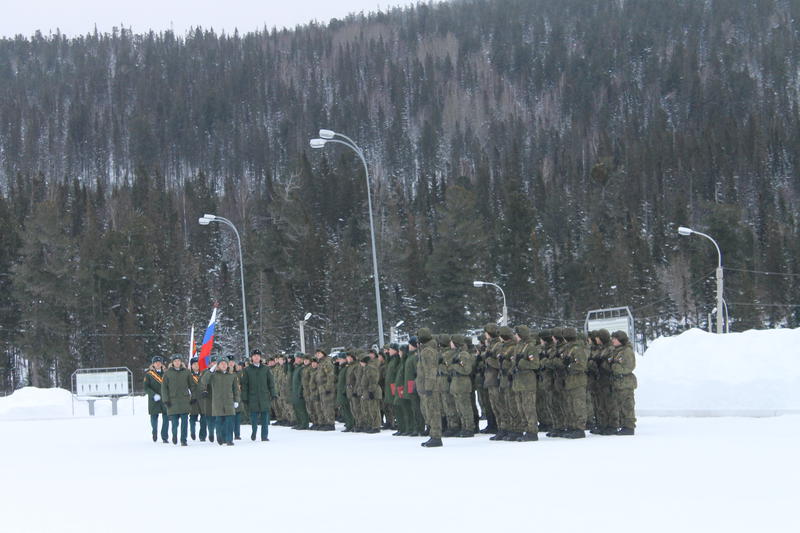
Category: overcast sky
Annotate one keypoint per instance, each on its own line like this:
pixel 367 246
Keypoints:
pixel 77 17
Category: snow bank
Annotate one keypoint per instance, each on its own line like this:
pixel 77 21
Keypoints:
pixel 35 403
pixel 755 372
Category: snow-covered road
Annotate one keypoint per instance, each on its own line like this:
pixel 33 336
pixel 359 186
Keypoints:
pixel 677 474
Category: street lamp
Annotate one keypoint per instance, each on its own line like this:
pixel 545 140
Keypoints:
pixel 328 136
pixel 302 324
pixel 683 230
pixel 205 220
pixel 479 284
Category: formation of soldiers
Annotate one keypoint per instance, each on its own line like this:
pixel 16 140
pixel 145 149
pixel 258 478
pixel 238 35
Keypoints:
pixel 555 381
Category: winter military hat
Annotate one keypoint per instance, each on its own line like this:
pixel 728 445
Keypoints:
pixel 458 339
pixel 492 329
pixel 213 359
pixel 174 356
pixel 256 351
pixel 413 341
pixel 569 334
pixel 157 359
pixel 523 331
pixel 394 346
pixel 321 350
pixel 621 336
pixel 424 335
pixel 194 360
pixel 605 336
pixel 506 333
pixel 443 339
pixel 558 333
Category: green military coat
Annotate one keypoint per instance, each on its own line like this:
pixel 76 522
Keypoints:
pixel 175 391
pixel 226 393
pixel 527 363
pixel 461 368
pixel 623 362
pixel 152 386
pixel 258 388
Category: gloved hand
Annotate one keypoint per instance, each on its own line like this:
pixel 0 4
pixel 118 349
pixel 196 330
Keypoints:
pixel 156 397
pixel 441 360
pixel 193 401
pixel 501 358
pixel 455 360
pixel 168 404
pixel 204 394
pixel 213 368
pixel 371 395
pixel 235 405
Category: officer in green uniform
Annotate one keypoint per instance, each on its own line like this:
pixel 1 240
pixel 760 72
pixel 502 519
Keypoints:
pixel 225 400
pixel 575 359
pixel 491 375
pixel 410 392
pixel 461 366
pixel 152 387
pixel 525 381
pixel 514 425
pixel 258 392
pixel 208 424
pixel 176 395
pixel 342 401
pixel 390 388
pixel 325 384
pixel 623 383
pixel 236 370
pixel 194 388
pixel 427 373
pixel 298 399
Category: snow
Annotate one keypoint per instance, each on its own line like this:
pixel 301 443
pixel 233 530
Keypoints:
pixel 755 372
pixel 104 473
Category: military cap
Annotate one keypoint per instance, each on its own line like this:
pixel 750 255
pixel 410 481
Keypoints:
pixel 545 334
pixel 569 334
pixel 394 346
pixel 231 358
pixel 321 350
pixel 492 329
pixel 404 348
pixel 458 339
pixel 424 335
pixel 523 331
pixel 157 359
pixel 194 360
pixel 413 341
pixel 605 336
pixel 506 333
pixel 557 333
pixel 365 358
pixel 213 359
pixel 621 336
pixel 174 356
pixel 255 351
pixel 443 339
pixel 299 355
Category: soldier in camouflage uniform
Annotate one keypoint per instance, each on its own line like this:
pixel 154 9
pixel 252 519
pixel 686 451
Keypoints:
pixel 623 383
pixel 478 380
pixel 606 422
pixel 525 381
pixel 544 409
pixel 277 413
pixel 389 386
pixel 556 367
pixel 353 392
pixel 342 400
pixel 325 383
pixel 427 374
pixel 453 423
pixel 410 392
pixel 491 372
pixel 462 363
pixel 515 427
pixel 369 390
pixel 575 360
pixel 591 382
pixel 298 394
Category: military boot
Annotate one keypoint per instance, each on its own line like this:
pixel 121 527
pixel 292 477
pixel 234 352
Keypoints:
pixel 449 433
pixel 607 431
pixel 500 435
pixel 527 437
pixel 433 442
pixel 546 428
pixel 512 436
pixel 489 430
pixel 155 437
pixel 466 433
pixel 574 434
pixel 625 431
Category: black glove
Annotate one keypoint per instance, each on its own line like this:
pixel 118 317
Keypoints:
pixel 205 394
pixel 455 360
pixel 193 401
pixel 441 360
pixel 501 358
pixel 168 404
pixel 371 395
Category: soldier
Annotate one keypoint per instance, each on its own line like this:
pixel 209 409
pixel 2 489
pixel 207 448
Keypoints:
pixel 310 391
pixel 606 422
pixel 353 380
pixel 298 399
pixel 176 395
pixel 525 381
pixel 369 392
pixel 595 348
pixel 556 367
pixel 387 410
pixel 461 366
pixel 623 383
pixel 152 387
pixel 515 426
pixel 325 384
pixel 453 422
pixel 208 423
pixel 390 387
pixel 194 388
pixel 258 392
pixel 342 400
pixel 284 391
pixel 401 411
pixel 575 360
pixel 544 389
pixel 427 370
pixel 410 392
pixel 236 424
pixel 478 380
pixel 225 400
pixel 491 372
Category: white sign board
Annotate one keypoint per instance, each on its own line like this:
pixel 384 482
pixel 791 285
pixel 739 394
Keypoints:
pixel 609 324
pixel 102 384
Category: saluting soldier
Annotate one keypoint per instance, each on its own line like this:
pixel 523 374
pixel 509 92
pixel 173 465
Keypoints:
pixel 176 395
pixel 152 387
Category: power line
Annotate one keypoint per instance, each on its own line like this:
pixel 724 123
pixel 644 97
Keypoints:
pixel 787 274
pixel 752 304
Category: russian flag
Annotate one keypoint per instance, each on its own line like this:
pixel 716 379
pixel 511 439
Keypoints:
pixel 208 341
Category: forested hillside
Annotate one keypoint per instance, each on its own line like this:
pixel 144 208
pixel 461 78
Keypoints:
pixel 550 147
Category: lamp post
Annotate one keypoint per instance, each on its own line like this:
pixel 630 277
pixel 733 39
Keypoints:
pixel 302 324
pixel 205 220
pixel 683 230
pixel 504 318
pixel 329 136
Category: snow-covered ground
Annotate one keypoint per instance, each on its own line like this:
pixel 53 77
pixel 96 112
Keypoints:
pixel 103 473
